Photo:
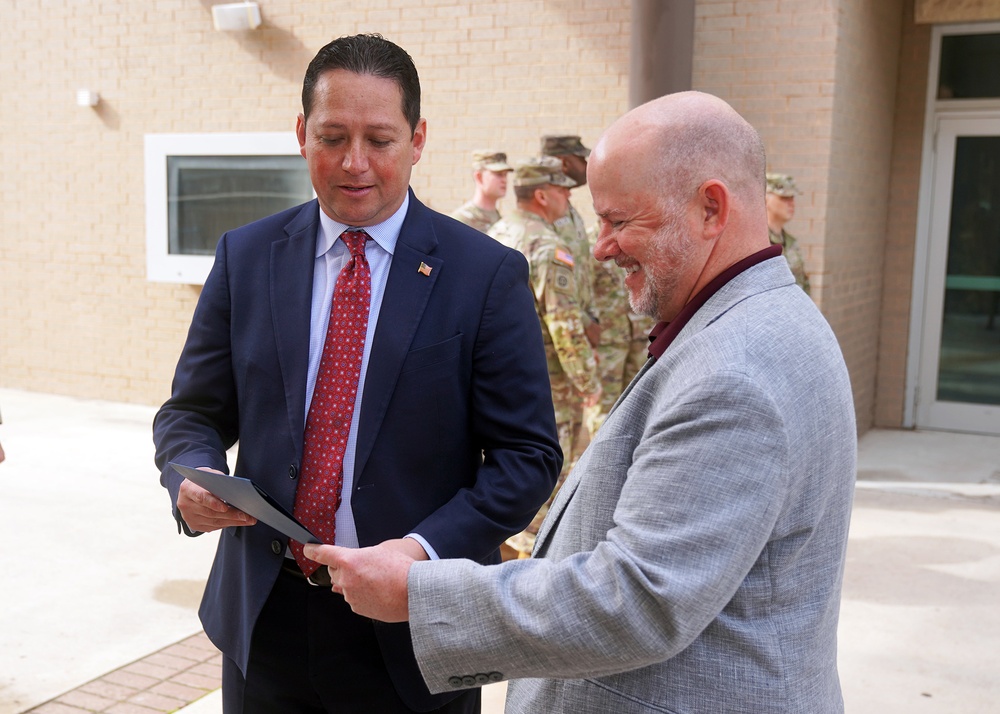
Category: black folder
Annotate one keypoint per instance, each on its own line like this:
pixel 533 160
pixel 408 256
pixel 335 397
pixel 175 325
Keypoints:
pixel 250 498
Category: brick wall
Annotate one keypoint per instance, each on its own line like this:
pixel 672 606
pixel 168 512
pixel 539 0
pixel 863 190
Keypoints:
pixel 857 186
pixel 900 240
pixel 817 79
pixel 79 316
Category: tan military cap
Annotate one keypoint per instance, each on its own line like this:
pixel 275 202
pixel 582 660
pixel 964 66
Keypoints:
pixel 490 160
pixel 782 185
pixel 540 171
pixel 562 145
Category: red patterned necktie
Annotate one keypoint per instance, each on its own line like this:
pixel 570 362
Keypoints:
pixel 329 421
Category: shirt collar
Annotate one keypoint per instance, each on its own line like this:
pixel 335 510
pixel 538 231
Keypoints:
pixel 664 332
pixel 385 233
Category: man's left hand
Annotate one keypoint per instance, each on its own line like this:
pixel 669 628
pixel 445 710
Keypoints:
pixel 372 580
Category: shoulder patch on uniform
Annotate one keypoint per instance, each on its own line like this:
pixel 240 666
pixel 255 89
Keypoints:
pixel 562 279
pixel 565 257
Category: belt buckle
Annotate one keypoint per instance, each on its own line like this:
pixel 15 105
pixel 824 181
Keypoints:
pixel 323 581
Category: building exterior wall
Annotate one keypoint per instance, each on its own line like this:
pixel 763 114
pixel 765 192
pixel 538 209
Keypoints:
pixel 901 229
pixel 837 89
pixel 857 186
pixel 940 11
pixel 818 79
pixel 79 316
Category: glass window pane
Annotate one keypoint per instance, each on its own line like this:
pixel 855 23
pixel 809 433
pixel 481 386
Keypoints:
pixel 208 195
pixel 969 367
pixel 968 67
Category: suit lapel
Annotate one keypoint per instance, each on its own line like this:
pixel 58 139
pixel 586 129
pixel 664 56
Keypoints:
pixel 573 480
pixel 407 292
pixel 292 261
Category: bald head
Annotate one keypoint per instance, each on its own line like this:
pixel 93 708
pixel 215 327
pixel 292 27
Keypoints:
pixel 681 140
pixel 678 184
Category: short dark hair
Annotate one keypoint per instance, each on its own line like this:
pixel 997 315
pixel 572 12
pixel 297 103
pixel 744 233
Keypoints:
pixel 367 54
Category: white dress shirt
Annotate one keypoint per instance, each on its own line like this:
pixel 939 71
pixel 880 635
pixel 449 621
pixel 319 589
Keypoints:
pixel 331 256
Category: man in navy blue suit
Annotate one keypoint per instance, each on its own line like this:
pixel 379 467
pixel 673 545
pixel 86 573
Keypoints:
pixel 452 446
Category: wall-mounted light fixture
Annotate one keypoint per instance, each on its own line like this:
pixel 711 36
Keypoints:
pixel 236 16
pixel 87 98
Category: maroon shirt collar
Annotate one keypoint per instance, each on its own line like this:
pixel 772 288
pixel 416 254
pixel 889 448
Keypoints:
pixel 664 332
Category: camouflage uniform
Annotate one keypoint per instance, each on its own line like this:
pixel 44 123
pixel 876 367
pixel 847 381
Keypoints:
pixel 784 185
pixel 472 215
pixel 638 352
pixel 571 361
pixel 573 231
pixel 793 255
pixel 571 227
pixel 610 302
pixel 572 366
pixel 469 213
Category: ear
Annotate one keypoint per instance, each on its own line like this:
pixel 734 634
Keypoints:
pixel 419 138
pixel 300 133
pixel 716 202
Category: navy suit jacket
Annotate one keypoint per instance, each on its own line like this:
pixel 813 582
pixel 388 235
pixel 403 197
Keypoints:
pixel 456 439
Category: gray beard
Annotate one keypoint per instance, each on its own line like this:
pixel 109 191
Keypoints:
pixel 664 267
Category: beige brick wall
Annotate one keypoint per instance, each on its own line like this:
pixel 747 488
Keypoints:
pixel 79 316
pixel 941 11
pixel 817 79
pixel 900 240
pixel 857 210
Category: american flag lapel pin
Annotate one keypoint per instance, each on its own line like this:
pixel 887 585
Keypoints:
pixel 424 269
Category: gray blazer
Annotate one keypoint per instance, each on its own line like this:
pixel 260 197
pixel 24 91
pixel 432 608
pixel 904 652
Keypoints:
pixel 693 560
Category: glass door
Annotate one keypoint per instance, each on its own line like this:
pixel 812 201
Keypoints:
pixel 959 381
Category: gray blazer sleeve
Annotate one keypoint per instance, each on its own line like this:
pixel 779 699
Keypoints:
pixel 700 499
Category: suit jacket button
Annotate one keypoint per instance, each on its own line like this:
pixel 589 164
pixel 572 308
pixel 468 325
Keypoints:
pixel 468 681
pixel 276 547
pixel 292 471
pixel 455 681
pixel 495 677
pixel 482 678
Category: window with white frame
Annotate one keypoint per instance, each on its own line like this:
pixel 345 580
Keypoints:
pixel 198 186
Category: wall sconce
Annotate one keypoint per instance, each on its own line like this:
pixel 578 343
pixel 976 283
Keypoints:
pixel 236 16
pixel 87 98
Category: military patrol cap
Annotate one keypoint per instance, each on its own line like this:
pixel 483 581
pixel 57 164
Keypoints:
pixel 782 185
pixel 490 160
pixel 540 171
pixel 562 145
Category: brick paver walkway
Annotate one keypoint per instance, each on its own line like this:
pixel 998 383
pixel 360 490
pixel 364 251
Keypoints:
pixel 165 681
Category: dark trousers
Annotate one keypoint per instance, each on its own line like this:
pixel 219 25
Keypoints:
pixel 310 654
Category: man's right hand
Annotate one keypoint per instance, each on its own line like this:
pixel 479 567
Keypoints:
pixel 204 512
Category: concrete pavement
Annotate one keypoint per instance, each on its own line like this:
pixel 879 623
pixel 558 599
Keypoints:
pixel 99 594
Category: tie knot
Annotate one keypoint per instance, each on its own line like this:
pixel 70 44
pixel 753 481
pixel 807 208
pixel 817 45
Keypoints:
pixel 355 241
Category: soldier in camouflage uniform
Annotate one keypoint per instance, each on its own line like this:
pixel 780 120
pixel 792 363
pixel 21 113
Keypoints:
pixel 542 197
pixel 780 199
pixel 573 155
pixel 624 336
pixel 489 171
pixel 610 303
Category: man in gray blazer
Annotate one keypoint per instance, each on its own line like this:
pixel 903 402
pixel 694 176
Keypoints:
pixel 693 560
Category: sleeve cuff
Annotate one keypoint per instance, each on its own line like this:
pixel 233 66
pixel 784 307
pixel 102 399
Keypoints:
pixel 431 553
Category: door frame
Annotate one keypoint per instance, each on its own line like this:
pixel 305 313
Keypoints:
pixel 921 409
